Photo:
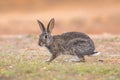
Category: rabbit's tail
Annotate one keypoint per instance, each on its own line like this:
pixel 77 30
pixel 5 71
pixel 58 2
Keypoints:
pixel 95 53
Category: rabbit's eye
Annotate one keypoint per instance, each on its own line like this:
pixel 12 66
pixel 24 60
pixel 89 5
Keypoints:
pixel 45 36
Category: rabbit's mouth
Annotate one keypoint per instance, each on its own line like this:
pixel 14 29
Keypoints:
pixel 41 44
pixel 45 43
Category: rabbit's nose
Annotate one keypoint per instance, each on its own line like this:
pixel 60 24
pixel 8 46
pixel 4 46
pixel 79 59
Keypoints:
pixel 39 44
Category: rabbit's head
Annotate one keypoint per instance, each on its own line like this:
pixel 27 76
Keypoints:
pixel 45 38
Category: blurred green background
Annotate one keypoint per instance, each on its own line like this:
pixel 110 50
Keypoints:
pixel 88 16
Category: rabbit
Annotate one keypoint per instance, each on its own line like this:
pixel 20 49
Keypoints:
pixel 69 43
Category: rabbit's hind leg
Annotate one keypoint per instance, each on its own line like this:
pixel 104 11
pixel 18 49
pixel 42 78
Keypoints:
pixel 81 58
pixel 78 58
pixel 79 55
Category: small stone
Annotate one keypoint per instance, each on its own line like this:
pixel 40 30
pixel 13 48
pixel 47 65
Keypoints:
pixel 100 60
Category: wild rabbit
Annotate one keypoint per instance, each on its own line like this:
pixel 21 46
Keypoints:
pixel 72 43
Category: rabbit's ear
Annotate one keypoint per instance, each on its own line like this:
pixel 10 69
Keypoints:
pixel 41 26
pixel 50 25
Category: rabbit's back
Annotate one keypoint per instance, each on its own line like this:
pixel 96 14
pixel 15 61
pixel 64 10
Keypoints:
pixel 72 35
